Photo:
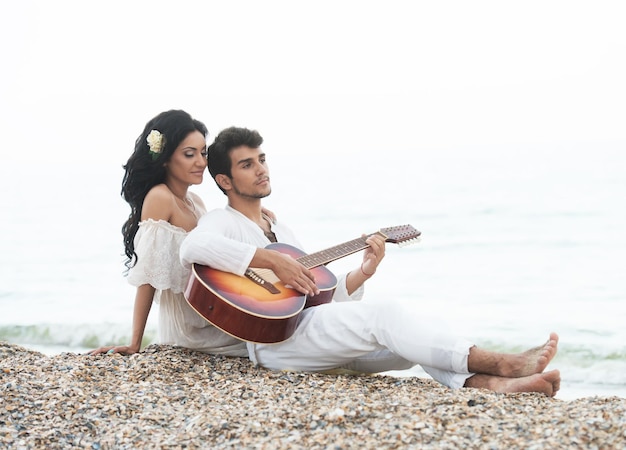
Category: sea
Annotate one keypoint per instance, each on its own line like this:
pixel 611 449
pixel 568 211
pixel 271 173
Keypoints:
pixel 516 241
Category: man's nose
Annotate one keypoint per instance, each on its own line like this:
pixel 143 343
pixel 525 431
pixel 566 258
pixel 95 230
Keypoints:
pixel 261 169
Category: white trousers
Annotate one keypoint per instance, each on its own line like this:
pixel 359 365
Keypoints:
pixel 369 337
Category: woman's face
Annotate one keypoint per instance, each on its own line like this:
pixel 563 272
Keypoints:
pixel 187 163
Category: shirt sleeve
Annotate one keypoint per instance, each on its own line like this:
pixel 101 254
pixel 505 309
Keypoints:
pixel 341 292
pixel 207 244
pixel 158 264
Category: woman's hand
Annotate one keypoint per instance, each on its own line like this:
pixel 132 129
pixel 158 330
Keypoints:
pixel 143 303
pixel 109 350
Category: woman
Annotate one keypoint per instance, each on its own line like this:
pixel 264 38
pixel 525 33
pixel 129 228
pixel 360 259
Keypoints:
pixel 169 156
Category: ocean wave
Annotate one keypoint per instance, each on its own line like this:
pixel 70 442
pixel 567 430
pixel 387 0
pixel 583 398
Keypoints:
pixel 72 337
pixel 592 364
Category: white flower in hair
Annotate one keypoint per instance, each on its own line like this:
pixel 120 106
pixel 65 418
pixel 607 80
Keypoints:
pixel 155 142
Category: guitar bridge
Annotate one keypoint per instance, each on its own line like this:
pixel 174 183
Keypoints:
pixel 252 275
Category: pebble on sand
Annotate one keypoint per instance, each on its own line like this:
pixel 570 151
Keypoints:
pixel 169 397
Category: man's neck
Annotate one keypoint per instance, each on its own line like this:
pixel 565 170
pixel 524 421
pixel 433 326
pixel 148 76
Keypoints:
pixel 251 208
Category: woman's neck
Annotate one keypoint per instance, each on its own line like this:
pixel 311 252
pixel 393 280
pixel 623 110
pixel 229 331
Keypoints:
pixel 179 190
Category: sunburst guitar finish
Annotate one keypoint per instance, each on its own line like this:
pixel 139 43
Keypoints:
pixel 258 307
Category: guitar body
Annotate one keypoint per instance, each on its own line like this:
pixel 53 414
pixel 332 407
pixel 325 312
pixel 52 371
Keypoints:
pixel 249 311
pixel 258 307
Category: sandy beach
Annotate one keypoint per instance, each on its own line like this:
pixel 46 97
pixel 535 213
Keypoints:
pixel 167 397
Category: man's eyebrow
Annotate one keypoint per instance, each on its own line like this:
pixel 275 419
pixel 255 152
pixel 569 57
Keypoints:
pixel 248 160
pixel 244 161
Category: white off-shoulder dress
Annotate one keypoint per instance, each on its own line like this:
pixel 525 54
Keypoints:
pixel 157 244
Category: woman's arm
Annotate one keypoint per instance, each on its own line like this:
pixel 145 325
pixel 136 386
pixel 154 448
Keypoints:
pixel 157 206
pixel 143 304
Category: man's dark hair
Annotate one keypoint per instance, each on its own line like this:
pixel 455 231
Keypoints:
pixel 227 140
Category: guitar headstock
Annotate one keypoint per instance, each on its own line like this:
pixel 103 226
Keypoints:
pixel 401 234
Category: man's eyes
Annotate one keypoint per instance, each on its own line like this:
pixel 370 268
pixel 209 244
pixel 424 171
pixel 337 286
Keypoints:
pixel 247 165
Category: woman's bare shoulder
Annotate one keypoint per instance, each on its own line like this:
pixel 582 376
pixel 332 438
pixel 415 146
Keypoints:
pixel 158 204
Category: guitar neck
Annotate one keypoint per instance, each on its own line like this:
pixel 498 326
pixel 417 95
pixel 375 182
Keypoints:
pixel 333 253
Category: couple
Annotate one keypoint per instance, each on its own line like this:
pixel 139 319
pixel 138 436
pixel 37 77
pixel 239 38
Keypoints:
pixel 169 229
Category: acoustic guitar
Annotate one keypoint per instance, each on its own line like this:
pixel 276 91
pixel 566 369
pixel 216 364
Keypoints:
pixel 258 307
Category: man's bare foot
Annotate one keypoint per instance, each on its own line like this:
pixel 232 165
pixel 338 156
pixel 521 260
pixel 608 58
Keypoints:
pixel 516 365
pixel 547 383
pixel 536 359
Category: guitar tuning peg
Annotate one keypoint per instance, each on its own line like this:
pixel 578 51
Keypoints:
pixel 409 242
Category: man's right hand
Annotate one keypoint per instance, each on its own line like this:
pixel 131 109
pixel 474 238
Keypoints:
pixel 289 271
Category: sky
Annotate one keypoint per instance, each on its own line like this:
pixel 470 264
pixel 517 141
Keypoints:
pixel 79 80
pixel 366 86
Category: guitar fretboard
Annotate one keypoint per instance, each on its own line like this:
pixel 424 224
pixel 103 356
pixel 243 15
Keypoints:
pixel 333 253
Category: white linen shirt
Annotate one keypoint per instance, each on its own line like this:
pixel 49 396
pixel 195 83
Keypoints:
pixel 226 240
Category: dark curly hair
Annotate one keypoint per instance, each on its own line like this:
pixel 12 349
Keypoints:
pixel 143 171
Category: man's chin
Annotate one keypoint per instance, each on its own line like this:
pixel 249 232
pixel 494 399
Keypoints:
pixel 263 195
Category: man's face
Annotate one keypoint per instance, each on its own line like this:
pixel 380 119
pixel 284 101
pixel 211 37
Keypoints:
pixel 250 175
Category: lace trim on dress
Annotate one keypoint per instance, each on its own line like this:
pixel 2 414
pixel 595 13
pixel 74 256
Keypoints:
pixel 157 244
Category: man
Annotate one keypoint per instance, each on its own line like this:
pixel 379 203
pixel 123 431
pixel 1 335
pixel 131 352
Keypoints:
pixel 345 334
